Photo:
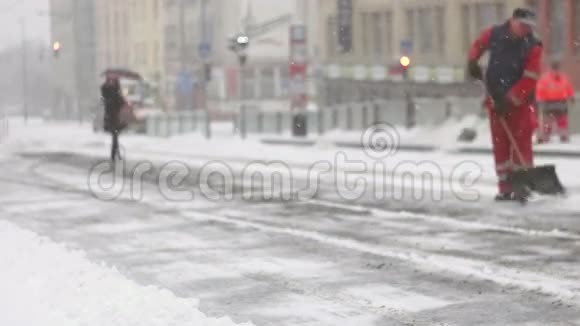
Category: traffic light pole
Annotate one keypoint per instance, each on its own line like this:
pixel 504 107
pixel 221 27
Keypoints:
pixel 204 71
pixel 411 109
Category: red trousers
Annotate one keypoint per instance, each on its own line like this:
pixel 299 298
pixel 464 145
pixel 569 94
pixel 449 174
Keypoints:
pixel 560 119
pixel 519 121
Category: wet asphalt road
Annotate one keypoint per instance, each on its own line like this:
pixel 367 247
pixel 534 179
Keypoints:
pixel 323 261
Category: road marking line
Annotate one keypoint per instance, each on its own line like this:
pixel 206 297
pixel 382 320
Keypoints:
pixel 561 288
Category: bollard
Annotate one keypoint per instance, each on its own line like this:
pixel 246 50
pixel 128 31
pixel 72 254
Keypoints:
pixel 376 113
pixel 411 110
pixel 349 118
pixel 279 123
pixel 236 123
pixel 260 122
pixel 207 125
pixel 243 121
pixel 365 118
pixel 180 126
pixel 157 126
pixel 320 121
pixel 448 109
pixel 334 118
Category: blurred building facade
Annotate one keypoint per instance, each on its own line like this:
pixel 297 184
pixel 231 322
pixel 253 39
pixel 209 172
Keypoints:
pixel 172 42
pixel 113 33
pixel 74 66
pixel 181 35
pixel 435 34
pixel 560 30
pixel 145 39
pixel 263 81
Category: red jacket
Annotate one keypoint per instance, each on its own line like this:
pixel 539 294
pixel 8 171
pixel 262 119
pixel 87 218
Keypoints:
pixel 522 92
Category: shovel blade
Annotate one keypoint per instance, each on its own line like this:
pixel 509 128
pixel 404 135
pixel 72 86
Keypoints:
pixel 541 179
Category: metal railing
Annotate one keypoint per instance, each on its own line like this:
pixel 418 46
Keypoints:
pixel 355 116
pixel 359 116
pixel 171 124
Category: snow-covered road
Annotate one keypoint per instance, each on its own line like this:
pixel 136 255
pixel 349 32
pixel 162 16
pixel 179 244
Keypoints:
pixel 311 261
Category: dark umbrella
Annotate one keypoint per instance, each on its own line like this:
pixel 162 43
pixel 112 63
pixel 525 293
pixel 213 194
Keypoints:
pixel 121 73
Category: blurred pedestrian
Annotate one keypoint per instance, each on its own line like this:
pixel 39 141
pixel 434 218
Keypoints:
pixel 114 102
pixel 554 95
pixel 515 57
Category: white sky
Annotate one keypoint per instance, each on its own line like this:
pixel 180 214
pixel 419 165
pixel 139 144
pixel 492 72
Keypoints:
pixel 37 24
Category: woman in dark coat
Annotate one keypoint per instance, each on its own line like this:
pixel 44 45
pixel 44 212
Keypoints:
pixel 113 102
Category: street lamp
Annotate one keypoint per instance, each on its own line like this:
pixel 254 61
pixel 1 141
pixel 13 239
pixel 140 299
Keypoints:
pixel 411 113
pixel 56 48
pixel 239 45
pixel 405 62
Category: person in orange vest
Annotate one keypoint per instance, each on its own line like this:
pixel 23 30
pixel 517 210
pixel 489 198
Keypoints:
pixel 553 94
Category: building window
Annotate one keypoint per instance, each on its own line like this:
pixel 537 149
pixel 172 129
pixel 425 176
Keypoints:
pixel 488 14
pixel 284 82
pixel 466 25
pixel 533 4
pixel 378 32
pixel 440 23
pixel 410 24
pixel 331 38
pixel 426 31
pixel 557 26
pixel 156 58
pixel 365 29
pixel 389 32
pixel 576 36
pixel 156 9
pixel 267 83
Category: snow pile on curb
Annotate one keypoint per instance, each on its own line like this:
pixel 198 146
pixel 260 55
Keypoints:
pixel 44 283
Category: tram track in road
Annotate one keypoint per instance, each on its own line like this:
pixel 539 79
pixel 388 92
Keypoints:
pixel 465 267
pixel 358 211
pixel 429 262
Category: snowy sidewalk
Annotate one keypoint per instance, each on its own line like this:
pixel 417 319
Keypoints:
pixel 425 139
pixel 44 283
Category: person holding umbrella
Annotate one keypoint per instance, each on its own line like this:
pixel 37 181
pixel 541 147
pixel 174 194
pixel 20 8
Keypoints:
pixel 114 102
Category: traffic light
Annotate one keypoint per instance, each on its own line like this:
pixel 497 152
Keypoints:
pixel 56 48
pixel 405 62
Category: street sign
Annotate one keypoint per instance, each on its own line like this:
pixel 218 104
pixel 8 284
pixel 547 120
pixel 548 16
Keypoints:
pixel 204 50
pixel 185 83
pixel 406 47
pixel 298 66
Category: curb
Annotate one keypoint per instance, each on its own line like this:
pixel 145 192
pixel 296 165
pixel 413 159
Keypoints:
pixel 539 153
pixel 420 148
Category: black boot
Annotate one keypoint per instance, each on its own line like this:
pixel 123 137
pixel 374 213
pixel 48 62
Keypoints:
pixel 508 196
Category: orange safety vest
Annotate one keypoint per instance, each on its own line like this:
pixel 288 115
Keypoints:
pixel 554 87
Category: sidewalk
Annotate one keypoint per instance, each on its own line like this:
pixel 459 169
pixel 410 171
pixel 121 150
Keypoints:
pixel 424 140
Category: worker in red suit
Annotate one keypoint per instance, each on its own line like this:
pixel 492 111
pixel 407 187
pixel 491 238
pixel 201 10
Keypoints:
pixel 554 94
pixel 515 57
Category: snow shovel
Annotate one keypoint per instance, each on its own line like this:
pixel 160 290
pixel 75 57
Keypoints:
pixel 541 179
